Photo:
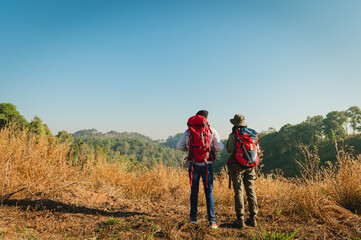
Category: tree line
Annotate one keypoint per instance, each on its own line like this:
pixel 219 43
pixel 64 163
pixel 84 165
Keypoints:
pixel 9 114
pixel 135 148
pixel 281 148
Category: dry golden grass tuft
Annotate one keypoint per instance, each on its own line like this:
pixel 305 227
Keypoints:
pixel 32 165
pixel 343 181
pixel 330 195
pixel 160 183
pixel 274 193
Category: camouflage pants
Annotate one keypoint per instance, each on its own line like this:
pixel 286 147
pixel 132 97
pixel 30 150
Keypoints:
pixel 244 176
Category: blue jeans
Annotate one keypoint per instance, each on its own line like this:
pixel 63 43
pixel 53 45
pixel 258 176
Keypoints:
pixel 199 171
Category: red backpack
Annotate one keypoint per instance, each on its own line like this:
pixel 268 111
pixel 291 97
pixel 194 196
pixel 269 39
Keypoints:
pixel 247 147
pixel 199 144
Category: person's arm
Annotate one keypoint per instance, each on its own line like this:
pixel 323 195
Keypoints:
pixel 182 142
pixel 216 141
pixel 231 144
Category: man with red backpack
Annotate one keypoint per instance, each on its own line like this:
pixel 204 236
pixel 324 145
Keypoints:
pixel 243 146
pixel 201 142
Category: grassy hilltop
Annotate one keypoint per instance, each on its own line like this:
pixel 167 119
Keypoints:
pixel 44 195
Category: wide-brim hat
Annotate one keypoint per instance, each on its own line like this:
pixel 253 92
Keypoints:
pixel 238 120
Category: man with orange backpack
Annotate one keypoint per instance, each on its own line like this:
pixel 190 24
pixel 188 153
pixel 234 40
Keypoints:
pixel 201 142
pixel 243 146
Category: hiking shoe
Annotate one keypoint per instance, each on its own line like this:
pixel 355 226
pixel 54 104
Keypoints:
pixel 252 222
pixel 213 225
pixel 192 221
pixel 239 223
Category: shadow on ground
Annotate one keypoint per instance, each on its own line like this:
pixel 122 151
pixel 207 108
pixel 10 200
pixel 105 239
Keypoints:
pixel 56 206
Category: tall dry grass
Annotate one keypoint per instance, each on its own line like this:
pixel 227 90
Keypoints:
pixel 34 165
pixel 329 195
pixel 160 183
pixel 343 180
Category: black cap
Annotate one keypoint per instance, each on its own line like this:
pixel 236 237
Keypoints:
pixel 203 113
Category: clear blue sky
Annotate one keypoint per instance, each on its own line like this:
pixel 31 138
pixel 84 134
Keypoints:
pixel 147 66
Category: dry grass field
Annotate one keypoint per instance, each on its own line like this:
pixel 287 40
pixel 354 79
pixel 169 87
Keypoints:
pixel 45 197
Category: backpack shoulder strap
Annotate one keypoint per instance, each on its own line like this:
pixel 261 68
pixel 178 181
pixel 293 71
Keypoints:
pixel 238 134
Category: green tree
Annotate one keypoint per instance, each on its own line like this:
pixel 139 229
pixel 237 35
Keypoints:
pixel 36 126
pixel 85 133
pixel 172 141
pixel 315 127
pixel 64 137
pixel 354 115
pixel 333 125
pixel 286 136
pixel 8 114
